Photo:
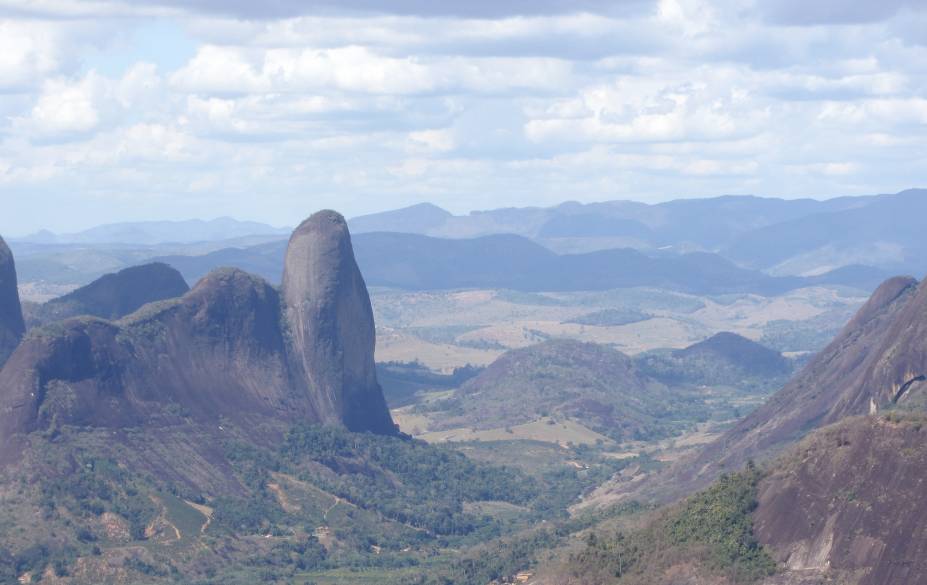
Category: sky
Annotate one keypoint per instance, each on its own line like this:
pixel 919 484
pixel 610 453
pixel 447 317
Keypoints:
pixel 170 109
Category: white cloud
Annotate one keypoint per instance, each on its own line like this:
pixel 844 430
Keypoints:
pixel 28 51
pixel 354 69
pixel 690 97
pixel 64 108
pixel 67 108
pixel 439 140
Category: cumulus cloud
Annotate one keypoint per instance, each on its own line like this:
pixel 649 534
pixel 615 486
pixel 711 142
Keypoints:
pixel 28 51
pixel 364 105
pixel 66 109
pixel 231 70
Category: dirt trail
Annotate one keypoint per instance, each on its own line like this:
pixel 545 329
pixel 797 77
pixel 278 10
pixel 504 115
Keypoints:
pixel 282 498
pixel 332 507
pixel 205 511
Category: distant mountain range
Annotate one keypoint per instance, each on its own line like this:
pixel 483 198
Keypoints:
pixel 722 244
pixel 416 262
pixel 159 232
pixel 787 237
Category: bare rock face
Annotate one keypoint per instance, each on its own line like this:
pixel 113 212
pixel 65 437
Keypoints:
pixel 216 352
pixel 330 325
pixel 847 503
pixel 11 315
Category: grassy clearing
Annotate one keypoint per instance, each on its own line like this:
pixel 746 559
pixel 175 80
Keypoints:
pixel 560 432
pixel 188 520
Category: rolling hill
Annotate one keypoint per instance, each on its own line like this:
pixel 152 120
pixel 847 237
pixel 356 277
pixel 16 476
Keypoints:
pixel 724 358
pixel 588 383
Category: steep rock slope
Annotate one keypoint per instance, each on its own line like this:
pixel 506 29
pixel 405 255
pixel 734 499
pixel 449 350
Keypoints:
pixel 844 506
pixel 12 326
pixel 876 361
pixel 115 295
pixel 848 503
pixel 331 325
pixel 222 350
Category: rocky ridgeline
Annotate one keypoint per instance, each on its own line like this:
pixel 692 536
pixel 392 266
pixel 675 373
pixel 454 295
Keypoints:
pixel 233 347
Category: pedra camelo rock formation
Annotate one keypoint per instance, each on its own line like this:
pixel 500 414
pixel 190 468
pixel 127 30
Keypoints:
pixel 228 349
pixel 12 326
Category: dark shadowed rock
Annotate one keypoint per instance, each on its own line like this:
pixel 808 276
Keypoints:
pixel 218 351
pixel 11 316
pixel 115 295
pixel 331 327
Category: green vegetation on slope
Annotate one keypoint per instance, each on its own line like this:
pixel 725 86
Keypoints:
pixel 713 529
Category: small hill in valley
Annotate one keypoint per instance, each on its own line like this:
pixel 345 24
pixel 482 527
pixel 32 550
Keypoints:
pixel 12 325
pixel 115 295
pixel 723 359
pixel 593 384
